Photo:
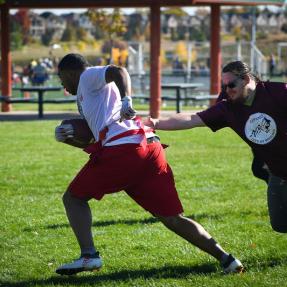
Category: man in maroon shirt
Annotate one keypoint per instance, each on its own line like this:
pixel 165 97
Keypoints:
pixel 258 166
pixel 257 112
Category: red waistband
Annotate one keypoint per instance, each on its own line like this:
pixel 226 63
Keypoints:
pixel 95 147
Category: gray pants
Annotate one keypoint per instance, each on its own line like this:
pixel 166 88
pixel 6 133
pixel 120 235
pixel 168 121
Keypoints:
pixel 277 203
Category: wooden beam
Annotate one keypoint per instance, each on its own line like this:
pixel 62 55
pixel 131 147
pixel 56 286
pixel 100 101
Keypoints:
pixel 6 67
pixel 155 67
pixel 215 51
pixel 77 4
pixel 14 4
pixel 242 2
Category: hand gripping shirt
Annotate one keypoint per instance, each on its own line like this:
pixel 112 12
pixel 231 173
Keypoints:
pixel 100 104
pixel 263 125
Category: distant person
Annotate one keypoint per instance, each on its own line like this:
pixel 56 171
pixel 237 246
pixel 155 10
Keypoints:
pixel 272 65
pixel 39 74
pixel 26 74
pixel 177 66
pixel 99 61
pixel 256 111
pixel 126 156
pixel 108 60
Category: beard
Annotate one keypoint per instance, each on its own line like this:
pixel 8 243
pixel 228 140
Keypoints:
pixel 236 101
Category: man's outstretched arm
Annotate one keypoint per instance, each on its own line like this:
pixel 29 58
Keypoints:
pixel 177 122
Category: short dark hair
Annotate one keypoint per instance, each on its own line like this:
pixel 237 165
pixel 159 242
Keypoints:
pixel 240 69
pixel 73 62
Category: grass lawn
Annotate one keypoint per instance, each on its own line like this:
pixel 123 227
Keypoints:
pixel 214 181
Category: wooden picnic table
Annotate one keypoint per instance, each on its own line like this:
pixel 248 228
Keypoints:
pixel 40 90
pixel 178 87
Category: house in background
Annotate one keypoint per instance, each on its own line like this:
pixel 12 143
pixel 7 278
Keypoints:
pixel 37 26
pixel 55 25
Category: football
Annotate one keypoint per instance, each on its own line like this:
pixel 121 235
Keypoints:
pixel 83 136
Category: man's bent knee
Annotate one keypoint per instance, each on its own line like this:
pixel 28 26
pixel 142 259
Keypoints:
pixel 69 199
pixel 66 198
pixel 170 221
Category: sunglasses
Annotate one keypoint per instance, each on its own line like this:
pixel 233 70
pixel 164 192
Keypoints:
pixel 230 85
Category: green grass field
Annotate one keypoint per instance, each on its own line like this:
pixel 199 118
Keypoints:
pixel 214 181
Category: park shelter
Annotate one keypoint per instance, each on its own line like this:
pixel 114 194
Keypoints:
pixel 154 5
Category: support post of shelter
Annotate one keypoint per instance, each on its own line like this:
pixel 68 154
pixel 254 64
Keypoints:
pixel 215 52
pixel 155 68
pixel 6 67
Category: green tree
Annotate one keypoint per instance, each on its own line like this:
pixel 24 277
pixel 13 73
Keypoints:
pixel 284 28
pixel 112 24
pixel 16 41
pixel 181 32
pixel 197 35
pixel 135 27
pixel 16 36
pixel 68 35
pixel 177 11
pixel 81 34
pixel 47 37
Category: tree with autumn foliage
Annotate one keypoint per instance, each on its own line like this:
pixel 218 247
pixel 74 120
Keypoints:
pixel 181 51
pixel 111 24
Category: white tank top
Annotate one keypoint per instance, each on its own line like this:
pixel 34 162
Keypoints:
pixel 100 103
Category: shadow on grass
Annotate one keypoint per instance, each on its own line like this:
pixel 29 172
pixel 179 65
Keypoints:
pixel 104 223
pixel 167 272
pixel 124 275
pixel 260 265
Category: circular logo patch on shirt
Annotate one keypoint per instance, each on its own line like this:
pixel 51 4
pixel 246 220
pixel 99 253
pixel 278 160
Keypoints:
pixel 260 128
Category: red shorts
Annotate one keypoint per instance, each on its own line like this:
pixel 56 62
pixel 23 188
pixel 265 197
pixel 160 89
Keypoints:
pixel 141 171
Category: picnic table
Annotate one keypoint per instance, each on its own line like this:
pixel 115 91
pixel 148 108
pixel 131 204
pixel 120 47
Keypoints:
pixel 40 90
pixel 178 87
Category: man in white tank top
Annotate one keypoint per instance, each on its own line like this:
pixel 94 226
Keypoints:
pixel 126 156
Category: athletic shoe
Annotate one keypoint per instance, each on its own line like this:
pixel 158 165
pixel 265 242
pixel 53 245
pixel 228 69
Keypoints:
pixel 232 265
pixel 84 263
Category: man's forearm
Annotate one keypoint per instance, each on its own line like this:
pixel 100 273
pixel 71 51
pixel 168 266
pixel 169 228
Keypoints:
pixel 179 122
pixel 124 83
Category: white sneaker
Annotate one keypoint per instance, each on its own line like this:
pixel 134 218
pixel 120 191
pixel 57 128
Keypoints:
pixel 232 265
pixel 84 263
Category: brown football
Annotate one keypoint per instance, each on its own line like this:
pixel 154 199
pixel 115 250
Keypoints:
pixel 83 136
